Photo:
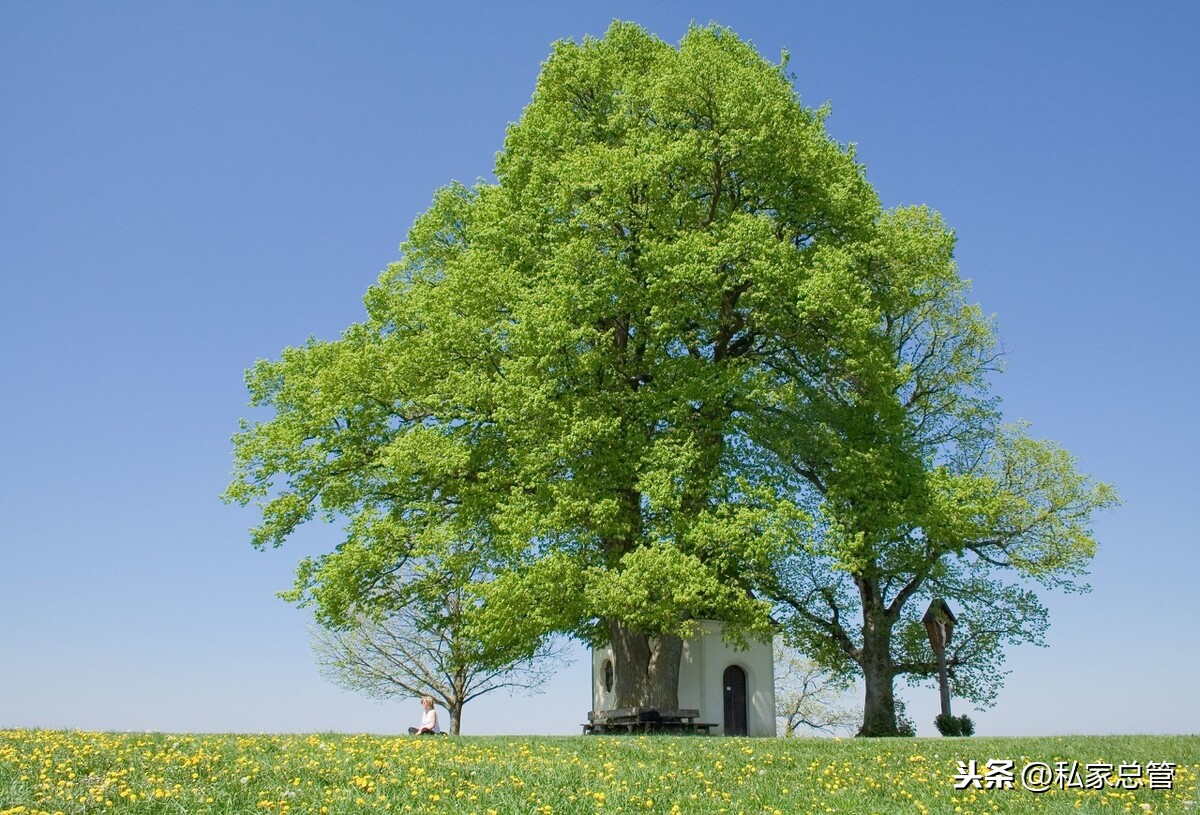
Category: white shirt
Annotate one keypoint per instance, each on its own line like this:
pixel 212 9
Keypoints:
pixel 429 720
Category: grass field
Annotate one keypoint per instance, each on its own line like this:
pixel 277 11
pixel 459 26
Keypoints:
pixel 328 774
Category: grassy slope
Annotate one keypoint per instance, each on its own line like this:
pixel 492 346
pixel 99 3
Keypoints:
pixel 54 771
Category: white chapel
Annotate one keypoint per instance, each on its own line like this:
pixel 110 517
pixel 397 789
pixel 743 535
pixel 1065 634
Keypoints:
pixel 734 690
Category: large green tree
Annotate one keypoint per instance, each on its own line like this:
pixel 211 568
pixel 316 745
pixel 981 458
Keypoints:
pixel 675 363
pixel 915 490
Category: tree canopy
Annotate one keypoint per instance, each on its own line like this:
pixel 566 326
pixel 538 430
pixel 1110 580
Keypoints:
pixel 676 362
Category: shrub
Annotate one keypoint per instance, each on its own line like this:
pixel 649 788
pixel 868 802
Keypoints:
pixel 904 725
pixel 946 724
pixel 949 725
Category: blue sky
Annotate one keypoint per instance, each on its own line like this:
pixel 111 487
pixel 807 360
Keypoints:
pixel 188 187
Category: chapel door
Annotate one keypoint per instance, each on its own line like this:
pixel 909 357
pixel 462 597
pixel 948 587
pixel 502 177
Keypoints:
pixel 735 701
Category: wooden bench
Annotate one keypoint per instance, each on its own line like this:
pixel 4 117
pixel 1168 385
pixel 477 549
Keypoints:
pixel 646 720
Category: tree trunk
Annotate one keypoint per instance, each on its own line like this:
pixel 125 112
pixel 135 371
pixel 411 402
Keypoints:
pixel 645 669
pixel 879 707
pixel 460 680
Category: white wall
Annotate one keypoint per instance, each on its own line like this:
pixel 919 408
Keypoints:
pixel 700 675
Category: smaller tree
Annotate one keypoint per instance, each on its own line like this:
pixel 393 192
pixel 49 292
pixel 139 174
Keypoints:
pixel 807 695
pixel 423 648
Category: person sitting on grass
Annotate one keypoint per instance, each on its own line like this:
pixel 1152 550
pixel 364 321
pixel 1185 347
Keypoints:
pixel 429 722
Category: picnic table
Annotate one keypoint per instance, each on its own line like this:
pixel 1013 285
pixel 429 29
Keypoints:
pixel 646 720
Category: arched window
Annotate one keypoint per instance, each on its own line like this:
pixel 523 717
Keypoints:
pixel 608 676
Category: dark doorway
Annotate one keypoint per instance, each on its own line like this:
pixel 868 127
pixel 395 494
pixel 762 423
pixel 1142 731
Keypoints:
pixel 735 701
